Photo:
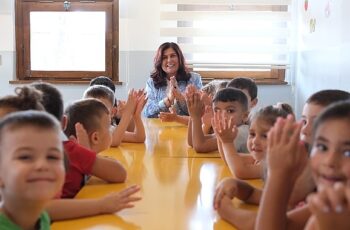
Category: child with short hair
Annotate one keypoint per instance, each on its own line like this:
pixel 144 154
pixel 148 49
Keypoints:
pixel 249 87
pixel 248 166
pixel 31 168
pixel 229 101
pixel 96 122
pixel 106 95
pixel 330 164
pixel 60 209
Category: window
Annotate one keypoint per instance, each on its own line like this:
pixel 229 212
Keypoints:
pixel 231 38
pixel 66 41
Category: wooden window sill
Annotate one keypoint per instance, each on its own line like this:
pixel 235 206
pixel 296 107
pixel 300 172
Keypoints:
pixel 58 82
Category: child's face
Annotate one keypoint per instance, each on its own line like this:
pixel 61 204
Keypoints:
pixel 330 155
pixel 230 109
pixel 257 139
pixel 310 112
pixel 31 164
pixel 104 135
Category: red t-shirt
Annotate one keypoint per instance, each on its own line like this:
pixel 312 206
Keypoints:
pixel 81 161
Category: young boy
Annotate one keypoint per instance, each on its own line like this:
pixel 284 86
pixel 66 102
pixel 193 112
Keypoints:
pixel 31 168
pixel 229 101
pixel 61 209
pixel 106 96
pixel 248 86
pixel 230 188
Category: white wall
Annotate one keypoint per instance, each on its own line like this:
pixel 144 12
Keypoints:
pixel 139 39
pixel 324 55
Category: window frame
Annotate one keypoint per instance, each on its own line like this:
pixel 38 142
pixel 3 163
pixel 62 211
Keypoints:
pixel 23 71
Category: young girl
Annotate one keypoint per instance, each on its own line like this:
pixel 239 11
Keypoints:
pixel 330 164
pixel 25 98
pixel 248 166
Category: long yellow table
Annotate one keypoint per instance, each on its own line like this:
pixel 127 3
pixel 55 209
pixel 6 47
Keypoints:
pixel 177 185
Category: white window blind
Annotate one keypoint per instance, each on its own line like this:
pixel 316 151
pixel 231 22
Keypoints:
pixel 229 34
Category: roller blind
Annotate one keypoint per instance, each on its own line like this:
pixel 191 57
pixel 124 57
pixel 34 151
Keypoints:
pixel 225 34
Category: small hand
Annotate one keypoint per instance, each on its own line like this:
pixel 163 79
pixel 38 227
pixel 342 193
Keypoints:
pixel 168 117
pixel 331 206
pixel 141 101
pixel 117 201
pixel 194 105
pixel 224 128
pixel 226 187
pixel 286 155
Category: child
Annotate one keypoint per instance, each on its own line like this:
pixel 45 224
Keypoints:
pixel 248 166
pixel 229 101
pixel 31 168
pixel 208 92
pixel 229 188
pixel 315 104
pixel 117 107
pixel 248 86
pixel 106 95
pixel 25 98
pixel 60 209
pixel 330 166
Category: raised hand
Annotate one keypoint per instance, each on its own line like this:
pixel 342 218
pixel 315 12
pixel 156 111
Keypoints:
pixel 82 137
pixel 194 105
pixel 286 154
pixel 120 108
pixel 141 101
pixel 225 128
pixel 131 103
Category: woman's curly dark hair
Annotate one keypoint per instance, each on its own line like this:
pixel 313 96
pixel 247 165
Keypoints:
pixel 158 75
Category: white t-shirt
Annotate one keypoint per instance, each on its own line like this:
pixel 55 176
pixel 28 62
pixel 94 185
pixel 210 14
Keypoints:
pixel 241 139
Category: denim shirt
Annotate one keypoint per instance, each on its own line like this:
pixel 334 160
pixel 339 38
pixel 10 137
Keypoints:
pixel 155 103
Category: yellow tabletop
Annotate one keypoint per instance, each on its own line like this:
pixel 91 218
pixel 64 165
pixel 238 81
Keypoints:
pixel 177 185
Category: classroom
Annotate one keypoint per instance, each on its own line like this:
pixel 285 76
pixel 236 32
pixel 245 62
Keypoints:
pixel 195 98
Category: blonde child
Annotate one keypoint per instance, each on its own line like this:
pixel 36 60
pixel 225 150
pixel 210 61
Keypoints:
pixel 330 164
pixel 31 168
pixel 120 134
pixel 229 188
pixel 60 209
pixel 248 166
pixel 229 100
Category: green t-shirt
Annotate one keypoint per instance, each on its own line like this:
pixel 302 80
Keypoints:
pixel 7 224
